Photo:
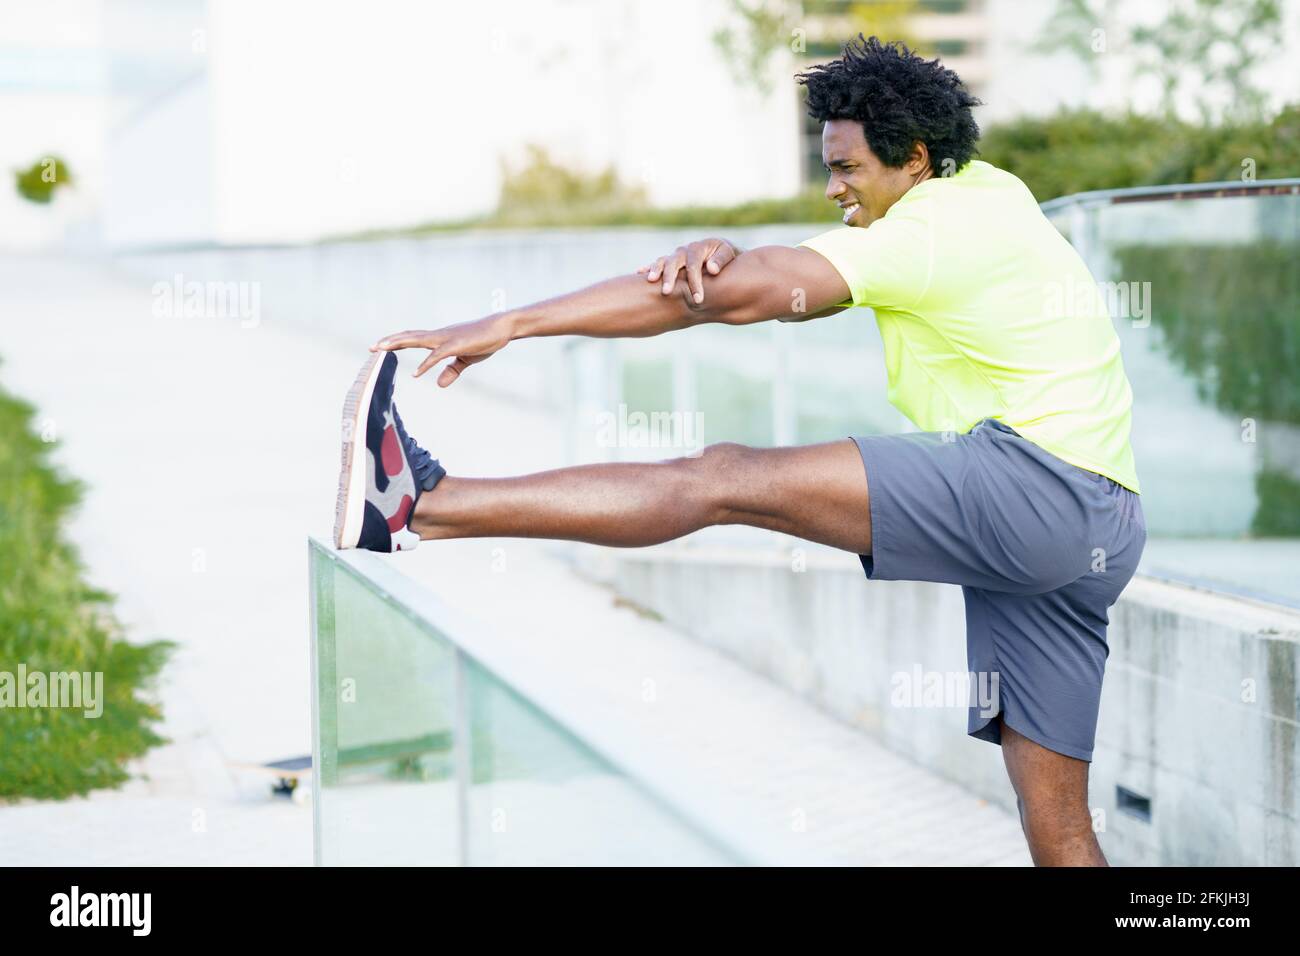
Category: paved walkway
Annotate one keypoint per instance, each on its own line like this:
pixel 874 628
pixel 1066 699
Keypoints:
pixel 210 452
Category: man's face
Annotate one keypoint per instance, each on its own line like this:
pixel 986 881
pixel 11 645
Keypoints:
pixel 860 183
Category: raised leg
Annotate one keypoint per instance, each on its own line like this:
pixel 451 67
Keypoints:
pixel 1052 795
pixel 815 492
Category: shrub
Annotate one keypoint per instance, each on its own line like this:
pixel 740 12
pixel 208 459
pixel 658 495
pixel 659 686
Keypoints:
pixel 52 620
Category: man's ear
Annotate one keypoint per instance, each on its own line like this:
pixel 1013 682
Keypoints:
pixel 918 161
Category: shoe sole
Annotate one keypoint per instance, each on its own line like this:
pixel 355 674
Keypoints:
pixel 350 508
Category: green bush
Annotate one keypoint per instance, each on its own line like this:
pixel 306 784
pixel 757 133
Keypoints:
pixel 52 620
pixel 543 192
pixel 1076 151
pixel 38 181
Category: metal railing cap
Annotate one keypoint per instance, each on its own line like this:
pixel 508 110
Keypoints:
pixel 1222 189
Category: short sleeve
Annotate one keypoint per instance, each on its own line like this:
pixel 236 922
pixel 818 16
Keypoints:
pixel 886 265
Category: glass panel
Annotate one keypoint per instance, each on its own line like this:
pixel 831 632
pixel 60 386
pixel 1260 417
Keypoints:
pixel 398 784
pixel 1206 298
pixel 648 385
pixel 385 695
pixel 838 380
pixel 737 406
pixel 539 796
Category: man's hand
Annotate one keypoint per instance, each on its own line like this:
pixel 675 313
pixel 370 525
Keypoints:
pixel 469 342
pixel 695 257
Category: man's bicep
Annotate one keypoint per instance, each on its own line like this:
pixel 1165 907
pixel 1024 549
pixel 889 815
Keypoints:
pixel 775 282
pixel 824 289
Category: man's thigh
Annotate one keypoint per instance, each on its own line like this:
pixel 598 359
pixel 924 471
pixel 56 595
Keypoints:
pixel 815 492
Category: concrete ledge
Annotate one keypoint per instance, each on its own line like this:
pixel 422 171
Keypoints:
pixel 1199 709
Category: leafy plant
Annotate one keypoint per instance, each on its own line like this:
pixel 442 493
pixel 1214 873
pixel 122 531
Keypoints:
pixel 38 181
pixel 542 190
pixel 1078 150
pixel 51 620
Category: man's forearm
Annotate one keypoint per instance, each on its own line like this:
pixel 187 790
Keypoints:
pixel 623 307
pixel 770 282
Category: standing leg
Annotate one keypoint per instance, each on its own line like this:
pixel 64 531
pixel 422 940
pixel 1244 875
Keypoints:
pixel 1052 794
pixel 815 492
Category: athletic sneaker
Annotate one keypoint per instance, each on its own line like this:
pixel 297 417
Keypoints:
pixel 385 471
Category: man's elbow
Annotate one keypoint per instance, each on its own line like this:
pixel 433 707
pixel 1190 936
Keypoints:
pixel 723 303
pixel 731 303
pixel 730 313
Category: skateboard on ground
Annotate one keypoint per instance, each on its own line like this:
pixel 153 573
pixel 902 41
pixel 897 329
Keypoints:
pixel 285 775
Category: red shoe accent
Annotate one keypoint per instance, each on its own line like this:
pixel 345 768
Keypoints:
pixel 398 521
pixel 391 452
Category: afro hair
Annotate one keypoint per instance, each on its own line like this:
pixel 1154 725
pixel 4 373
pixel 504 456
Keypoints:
pixel 900 98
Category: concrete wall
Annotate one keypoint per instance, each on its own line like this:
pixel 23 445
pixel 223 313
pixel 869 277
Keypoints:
pixel 1199 706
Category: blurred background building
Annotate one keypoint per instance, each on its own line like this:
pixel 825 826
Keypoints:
pixel 254 122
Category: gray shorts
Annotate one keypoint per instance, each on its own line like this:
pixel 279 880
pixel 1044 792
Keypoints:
pixel 1041 550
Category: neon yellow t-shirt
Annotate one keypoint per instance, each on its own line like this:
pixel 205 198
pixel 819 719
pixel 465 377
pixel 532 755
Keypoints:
pixel 986 311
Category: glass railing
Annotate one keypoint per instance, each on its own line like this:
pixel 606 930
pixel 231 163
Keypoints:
pixel 431 747
pixel 1204 287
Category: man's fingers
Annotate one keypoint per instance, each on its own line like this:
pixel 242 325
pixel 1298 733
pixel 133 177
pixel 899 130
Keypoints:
pixel 401 340
pixel 694 275
pixel 430 360
pixel 723 254
pixel 695 258
pixel 452 372
pixel 675 265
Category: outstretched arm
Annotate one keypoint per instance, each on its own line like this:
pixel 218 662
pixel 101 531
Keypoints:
pixel 770 282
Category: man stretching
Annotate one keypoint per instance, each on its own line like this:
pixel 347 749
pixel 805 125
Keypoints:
pixel 1021 486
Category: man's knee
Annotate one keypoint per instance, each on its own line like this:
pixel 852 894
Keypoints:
pixel 718 462
pixel 724 454
pixel 717 475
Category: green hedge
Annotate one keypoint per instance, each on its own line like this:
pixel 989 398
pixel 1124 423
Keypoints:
pixel 1076 151
pixel 52 620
